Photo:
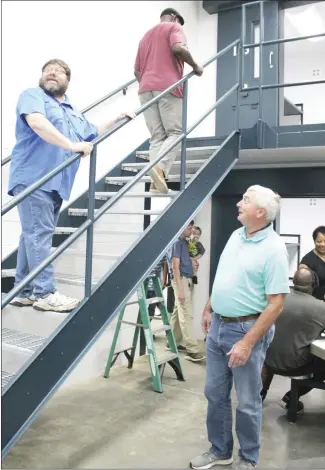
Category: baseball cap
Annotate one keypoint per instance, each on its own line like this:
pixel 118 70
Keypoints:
pixel 172 11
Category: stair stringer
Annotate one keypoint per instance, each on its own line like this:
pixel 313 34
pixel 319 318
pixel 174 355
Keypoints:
pixel 42 375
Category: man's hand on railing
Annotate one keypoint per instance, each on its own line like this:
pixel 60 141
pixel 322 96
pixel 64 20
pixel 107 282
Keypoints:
pixel 83 147
pixel 198 70
pixel 130 114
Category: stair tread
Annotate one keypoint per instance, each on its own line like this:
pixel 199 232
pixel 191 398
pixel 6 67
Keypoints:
pixel 5 378
pixel 144 178
pixel 106 194
pixel 80 212
pixel 197 162
pixel 189 151
pixel 20 340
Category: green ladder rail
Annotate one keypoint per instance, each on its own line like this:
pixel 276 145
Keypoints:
pixel 157 365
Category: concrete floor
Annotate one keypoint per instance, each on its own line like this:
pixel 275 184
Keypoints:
pixel 121 423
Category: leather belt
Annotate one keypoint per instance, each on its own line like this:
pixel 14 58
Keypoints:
pixel 240 319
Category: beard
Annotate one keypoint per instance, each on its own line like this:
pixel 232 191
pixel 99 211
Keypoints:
pixel 53 89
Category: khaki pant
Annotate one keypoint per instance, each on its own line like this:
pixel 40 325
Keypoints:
pixel 164 122
pixel 182 317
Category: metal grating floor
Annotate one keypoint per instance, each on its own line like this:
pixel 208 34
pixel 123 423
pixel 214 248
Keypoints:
pixel 21 340
pixel 5 377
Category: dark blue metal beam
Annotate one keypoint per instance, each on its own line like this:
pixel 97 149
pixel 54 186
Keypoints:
pixel 45 372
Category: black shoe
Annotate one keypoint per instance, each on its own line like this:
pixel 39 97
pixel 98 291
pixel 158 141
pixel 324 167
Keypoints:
pixel 285 403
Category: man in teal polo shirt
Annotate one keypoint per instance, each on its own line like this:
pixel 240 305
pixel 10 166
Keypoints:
pixel 248 293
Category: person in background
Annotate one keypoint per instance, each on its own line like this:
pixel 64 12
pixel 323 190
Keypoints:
pixel 248 293
pixel 49 130
pixel 159 64
pixel 289 354
pixel 196 249
pixel 182 316
pixel 315 260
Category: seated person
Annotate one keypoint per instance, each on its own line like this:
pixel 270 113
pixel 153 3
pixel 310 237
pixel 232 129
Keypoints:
pixel 195 249
pixel 300 323
pixel 315 260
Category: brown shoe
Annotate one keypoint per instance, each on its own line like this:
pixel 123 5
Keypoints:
pixel 158 178
pixel 195 357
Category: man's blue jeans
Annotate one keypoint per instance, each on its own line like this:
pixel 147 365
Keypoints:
pixel 219 379
pixel 38 215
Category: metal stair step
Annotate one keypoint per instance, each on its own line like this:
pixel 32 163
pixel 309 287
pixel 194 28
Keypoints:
pixel 20 340
pixel 84 212
pixel 120 180
pixel 166 358
pixel 103 195
pixel 5 378
pixel 138 166
pixel 191 152
pixel 65 230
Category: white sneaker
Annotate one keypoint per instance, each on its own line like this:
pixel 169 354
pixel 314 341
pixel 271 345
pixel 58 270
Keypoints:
pixel 56 303
pixel 23 301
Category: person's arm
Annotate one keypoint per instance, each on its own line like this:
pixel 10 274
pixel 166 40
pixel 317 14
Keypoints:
pixel 46 131
pixel 276 278
pixel 206 317
pixel 179 48
pixel 165 272
pixel 101 128
pixel 137 75
pixel 177 278
pixel 137 65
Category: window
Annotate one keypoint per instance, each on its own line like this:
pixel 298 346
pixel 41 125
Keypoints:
pixel 256 40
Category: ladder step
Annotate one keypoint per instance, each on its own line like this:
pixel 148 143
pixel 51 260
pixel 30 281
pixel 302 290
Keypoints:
pixel 154 300
pixel 122 350
pixel 161 329
pixel 166 358
pixel 132 323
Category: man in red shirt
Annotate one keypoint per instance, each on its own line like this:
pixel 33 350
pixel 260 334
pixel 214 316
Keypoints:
pixel 159 64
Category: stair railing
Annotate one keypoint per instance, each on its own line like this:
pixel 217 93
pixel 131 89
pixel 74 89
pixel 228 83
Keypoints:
pixel 122 88
pixel 92 216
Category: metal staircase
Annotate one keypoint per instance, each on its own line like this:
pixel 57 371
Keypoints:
pixel 104 253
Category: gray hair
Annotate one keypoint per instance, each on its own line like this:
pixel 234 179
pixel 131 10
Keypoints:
pixel 266 199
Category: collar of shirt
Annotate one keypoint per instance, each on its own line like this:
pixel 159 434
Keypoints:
pixel 258 236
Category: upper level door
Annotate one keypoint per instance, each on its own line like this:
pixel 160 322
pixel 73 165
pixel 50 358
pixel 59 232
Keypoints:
pixel 229 29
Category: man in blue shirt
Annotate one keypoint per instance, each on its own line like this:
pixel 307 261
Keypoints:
pixel 181 269
pixel 249 289
pixel 48 131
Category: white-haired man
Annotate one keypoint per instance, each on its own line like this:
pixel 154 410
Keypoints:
pixel 247 296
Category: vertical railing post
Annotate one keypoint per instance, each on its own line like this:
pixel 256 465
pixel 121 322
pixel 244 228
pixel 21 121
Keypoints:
pixel 238 80
pixel 261 81
pixel 243 39
pixel 90 230
pixel 184 129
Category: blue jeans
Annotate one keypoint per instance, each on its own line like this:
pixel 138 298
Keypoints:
pixel 38 215
pixel 219 379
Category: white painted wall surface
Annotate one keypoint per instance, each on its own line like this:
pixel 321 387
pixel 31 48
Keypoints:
pixel 99 45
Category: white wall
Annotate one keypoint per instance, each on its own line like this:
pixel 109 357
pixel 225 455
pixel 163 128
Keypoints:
pixel 301 58
pixel 99 45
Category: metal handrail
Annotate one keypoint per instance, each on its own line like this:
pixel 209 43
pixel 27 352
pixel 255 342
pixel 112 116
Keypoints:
pixel 91 106
pixel 283 40
pixel 92 217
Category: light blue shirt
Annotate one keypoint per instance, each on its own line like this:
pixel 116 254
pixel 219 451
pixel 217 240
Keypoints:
pixel 32 157
pixel 250 269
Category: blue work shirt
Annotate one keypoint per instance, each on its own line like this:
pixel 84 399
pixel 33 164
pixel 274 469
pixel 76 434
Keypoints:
pixel 250 269
pixel 32 157
pixel 180 251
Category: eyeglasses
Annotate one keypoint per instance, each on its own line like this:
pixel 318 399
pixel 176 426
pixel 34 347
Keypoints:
pixel 55 70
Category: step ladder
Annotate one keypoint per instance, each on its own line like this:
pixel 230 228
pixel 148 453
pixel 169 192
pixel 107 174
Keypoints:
pixel 157 365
